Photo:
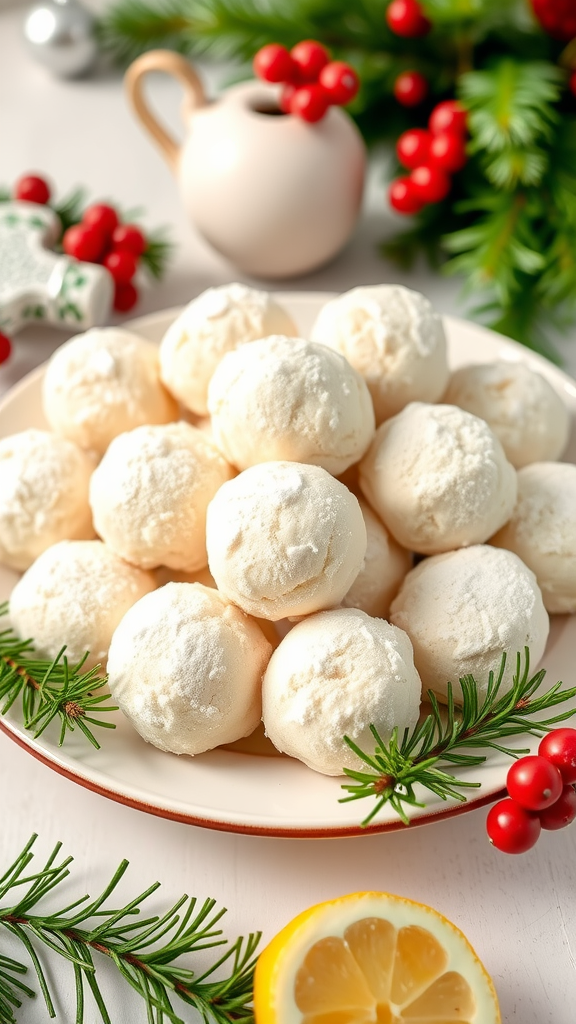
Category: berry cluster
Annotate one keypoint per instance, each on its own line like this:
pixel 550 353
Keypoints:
pixel 101 238
pixel 311 81
pixel 541 795
pixel 98 238
pixel 431 155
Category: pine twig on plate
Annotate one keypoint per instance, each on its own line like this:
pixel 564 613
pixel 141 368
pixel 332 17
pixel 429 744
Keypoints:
pixel 421 756
pixel 51 690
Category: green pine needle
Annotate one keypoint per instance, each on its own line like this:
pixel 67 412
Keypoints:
pixel 147 951
pixel 51 690
pixel 420 757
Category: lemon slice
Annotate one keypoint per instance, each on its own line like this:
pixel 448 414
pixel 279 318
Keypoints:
pixel 372 957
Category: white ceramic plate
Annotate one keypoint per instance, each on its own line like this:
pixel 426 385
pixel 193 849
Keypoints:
pixel 256 792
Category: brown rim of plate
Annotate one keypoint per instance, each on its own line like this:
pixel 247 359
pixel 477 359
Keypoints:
pixel 351 831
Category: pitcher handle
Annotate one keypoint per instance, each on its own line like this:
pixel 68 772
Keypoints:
pixel 194 96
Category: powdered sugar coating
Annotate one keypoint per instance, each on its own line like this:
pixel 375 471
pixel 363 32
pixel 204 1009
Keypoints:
pixel 150 493
pixel 285 399
pixel 104 382
pixel 333 675
pixel 385 566
pixel 216 322
pixel 44 483
pixel 186 668
pixel 542 531
pixel 525 412
pixel 284 539
pixel 438 478
pixel 76 593
pixel 464 609
pixel 393 337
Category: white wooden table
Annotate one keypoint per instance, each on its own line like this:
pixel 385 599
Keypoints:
pixel 519 913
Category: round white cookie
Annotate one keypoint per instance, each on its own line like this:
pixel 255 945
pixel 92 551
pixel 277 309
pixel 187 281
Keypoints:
pixel 393 337
pixel 99 384
pixel 332 676
pixel 285 399
pixel 284 539
pixel 44 482
pixel 150 493
pixel 76 593
pixel 525 412
pixel 463 610
pixel 385 566
pixel 438 478
pixel 217 322
pixel 542 531
pixel 186 668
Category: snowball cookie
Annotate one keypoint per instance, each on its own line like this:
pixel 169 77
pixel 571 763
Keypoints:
pixel 75 594
pixel 43 495
pixel 542 531
pixel 525 412
pixel 217 322
pixel 150 492
pixel 102 383
pixel 332 676
pixel 385 566
pixel 438 478
pixel 186 668
pixel 393 337
pixel 285 539
pixel 288 399
pixel 464 609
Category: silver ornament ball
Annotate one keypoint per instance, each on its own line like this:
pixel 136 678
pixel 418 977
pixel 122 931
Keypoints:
pixel 61 35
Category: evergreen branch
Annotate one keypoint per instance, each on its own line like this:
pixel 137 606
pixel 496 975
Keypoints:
pixel 147 953
pixel 420 756
pixel 157 255
pixel 50 690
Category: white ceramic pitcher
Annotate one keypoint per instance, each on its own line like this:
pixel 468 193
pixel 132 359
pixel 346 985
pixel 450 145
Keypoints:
pixel 275 195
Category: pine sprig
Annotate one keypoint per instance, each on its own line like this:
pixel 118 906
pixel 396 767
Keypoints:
pixel 147 952
pixel 420 757
pixel 50 690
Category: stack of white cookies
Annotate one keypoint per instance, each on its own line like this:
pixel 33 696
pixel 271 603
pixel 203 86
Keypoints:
pixel 230 523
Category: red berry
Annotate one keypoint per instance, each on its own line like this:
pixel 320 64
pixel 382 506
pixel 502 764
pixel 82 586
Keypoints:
pixel 125 297
pixel 286 96
pixel 129 238
pixel 402 197
pixel 572 83
pixel 559 747
pixel 340 82
pixel 410 88
pixel 448 151
pixel 534 783
pixel 511 828
pixel 562 813
pixel 430 183
pixel 309 57
pixel 5 348
pixel 101 216
pixel 32 189
pixel 309 102
pixel 557 17
pixel 448 116
pixel 412 147
pixel 273 63
pixel 84 243
pixel 406 18
pixel 121 264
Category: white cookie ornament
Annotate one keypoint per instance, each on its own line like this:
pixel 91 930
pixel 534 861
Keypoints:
pixel 39 285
